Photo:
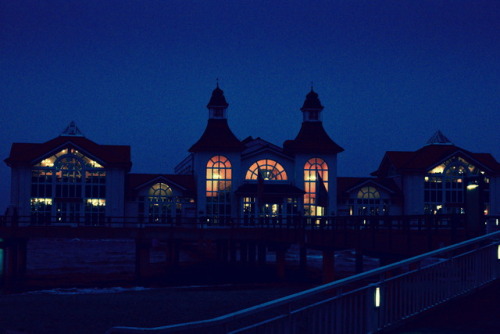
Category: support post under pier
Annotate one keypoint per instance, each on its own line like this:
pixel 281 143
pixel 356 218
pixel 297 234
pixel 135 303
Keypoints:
pixel 13 262
pixel 142 257
pixel 328 265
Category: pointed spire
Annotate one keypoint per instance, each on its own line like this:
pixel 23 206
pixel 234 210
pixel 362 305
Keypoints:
pixel 312 101
pixel 217 100
pixel 311 109
pixel 439 139
pixel 72 131
pixel 312 137
pixel 217 136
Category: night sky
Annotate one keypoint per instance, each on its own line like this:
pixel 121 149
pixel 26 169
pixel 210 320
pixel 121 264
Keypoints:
pixel 140 73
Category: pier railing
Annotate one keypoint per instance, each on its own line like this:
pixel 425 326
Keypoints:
pixel 366 302
pixel 419 222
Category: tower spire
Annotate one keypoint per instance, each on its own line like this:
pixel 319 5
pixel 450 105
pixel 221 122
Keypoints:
pixel 217 135
pixel 217 106
pixel 312 107
pixel 312 137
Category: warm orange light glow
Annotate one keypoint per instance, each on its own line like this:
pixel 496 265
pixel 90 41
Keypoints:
pixel 315 184
pixel 437 170
pixel 218 177
pixel 96 201
pixel 46 201
pixel 50 161
pixel 268 169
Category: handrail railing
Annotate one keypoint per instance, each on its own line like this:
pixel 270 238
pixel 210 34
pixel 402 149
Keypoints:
pixel 401 222
pixel 366 302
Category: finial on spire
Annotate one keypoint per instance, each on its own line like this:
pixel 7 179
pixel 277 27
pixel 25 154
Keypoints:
pixel 312 86
pixel 217 82
pixel 439 139
pixel 72 130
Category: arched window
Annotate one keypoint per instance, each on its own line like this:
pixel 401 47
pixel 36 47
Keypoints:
pixel 160 203
pixel 369 202
pixel 368 193
pixel 268 170
pixel 218 186
pixel 70 187
pixel 316 187
pixel 159 192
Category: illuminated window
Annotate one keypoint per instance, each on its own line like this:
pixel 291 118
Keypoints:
pixel 315 186
pixel 274 211
pixel 368 193
pixel 68 187
pixel 268 170
pixel 369 202
pixel 218 186
pixel 444 186
pixel 160 203
pixel 159 192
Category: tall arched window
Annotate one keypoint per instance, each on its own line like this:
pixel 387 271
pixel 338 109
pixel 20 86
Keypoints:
pixel 160 203
pixel 316 187
pixel 218 186
pixel 70 187
pixel 268 170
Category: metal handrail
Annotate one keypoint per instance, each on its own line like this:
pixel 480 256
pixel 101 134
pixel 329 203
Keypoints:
pixel 366 285
pixel 399 222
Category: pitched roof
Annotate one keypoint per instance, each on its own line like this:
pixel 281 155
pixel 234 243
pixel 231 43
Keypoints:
pixel 428 156
pixel 217 137
pixel 258 145
pixel 185 183
pixel 114 155
pixel 312 138
pixel 346 184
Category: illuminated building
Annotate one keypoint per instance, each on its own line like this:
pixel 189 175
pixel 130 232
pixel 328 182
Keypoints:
pixel 72 179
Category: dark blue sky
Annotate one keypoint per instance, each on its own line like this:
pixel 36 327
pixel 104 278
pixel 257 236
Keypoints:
pixel 389 73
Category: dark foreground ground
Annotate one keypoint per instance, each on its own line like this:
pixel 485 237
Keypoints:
pixel 44 313
pixel 110 263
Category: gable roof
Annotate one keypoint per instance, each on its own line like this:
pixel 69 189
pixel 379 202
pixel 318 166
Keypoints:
pixel 312 138
pixel 258 145
pixel 348 184
pixel 430 155
pixel 109 155
pixel 185 183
